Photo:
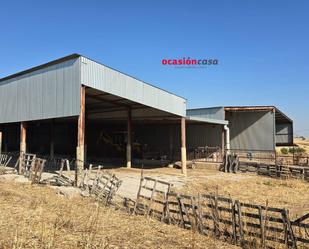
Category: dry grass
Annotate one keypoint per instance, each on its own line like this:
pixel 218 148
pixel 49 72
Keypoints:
pixel 35 217
pixel 303 144
pixel 290 194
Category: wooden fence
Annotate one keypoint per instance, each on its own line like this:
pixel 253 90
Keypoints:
pixel 244 224
pixel 277 171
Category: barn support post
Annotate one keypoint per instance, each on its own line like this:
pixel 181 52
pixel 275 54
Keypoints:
pixel 52 139
pixel 86 138
pixel 129 139
pixel 171 143
pixel 183 147
pixel 23 134
pixel 0 142
pixel 80 150
pixel 222 141
pixel 23 145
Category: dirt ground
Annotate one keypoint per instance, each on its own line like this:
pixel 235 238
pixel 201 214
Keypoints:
pixel 35 216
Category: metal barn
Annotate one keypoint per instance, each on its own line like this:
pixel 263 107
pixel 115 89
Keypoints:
pixel 78 107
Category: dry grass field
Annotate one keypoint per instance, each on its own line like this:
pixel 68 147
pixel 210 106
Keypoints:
pixel 303 144
pixel 36 217
pixel 291 194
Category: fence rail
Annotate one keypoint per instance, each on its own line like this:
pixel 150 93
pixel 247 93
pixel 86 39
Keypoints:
pixel 227 219
pixel 205 154
pixel 223 217
pixel 271 157
pixel 276 171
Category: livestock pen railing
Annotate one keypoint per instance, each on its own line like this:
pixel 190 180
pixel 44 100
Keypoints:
pixel 254 157
pixel 270 157
pixel 205 154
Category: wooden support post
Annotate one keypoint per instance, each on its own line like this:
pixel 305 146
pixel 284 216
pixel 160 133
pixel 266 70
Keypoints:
pixel 23 145
pixel 81 134
pixel 52 139
pixel 129 139
pixel 183 147
pixel 86 138
pixel 4 139
pixel 223 141
pixel 0 142
pixel 171 142
pixel 23 132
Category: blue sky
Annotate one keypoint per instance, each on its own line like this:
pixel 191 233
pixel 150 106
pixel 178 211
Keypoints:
pixel 262 46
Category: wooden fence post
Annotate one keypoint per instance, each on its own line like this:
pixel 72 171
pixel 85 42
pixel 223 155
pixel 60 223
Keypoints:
pixel 215 216
pixel 234 221
pixel 289 234
pixel 240 224
pixel 262 230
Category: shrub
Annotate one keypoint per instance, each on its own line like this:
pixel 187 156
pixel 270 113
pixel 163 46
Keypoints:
pixel 296 150
pixel 284 151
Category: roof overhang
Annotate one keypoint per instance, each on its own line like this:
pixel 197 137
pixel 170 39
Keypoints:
pixel 102 106
pixel 280 117
pixel 108 80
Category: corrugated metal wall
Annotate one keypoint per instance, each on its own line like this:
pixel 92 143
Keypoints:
pixel 108 80
pixel 212 113
pixel 284 133
pixel 46 93
pixel 251 130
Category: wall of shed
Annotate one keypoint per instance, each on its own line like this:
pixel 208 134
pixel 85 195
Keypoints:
pixel 103 78
pixel 251 130
pixel 284 133
pixel 50 92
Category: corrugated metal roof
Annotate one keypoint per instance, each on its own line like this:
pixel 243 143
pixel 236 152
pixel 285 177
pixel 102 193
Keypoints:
pixel 211 113
pixel 51 90
pixel 105 79
pixel 215 112
pixel 279 115
pixel 207 120
pixel 45 65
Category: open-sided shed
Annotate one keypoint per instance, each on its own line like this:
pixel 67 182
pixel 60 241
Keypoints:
pixel 61 106
pixel 258 127
pixel 251 128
